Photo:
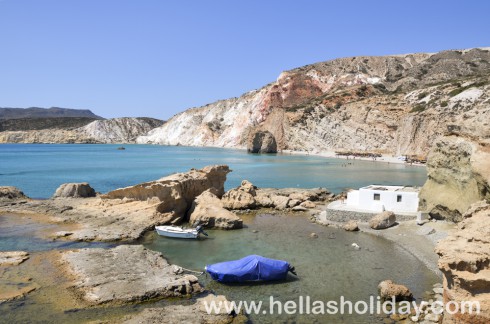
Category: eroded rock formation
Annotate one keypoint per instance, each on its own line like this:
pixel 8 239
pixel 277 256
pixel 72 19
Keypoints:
pixel 74 190
pixel 465 262
pixel 9 192
pixel 125 214
pixel 248 196
pixel 207 209
pixel 262 142
pixel 388 289
pixel 174 194
pixel 458 175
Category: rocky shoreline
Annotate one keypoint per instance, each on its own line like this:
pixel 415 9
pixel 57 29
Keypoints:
pixel 128 274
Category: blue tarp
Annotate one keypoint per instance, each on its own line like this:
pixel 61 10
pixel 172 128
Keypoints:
pixel 250 268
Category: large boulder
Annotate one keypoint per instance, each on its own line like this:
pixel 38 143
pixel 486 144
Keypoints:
pixel 262 142
pixel 242 197
pixel 382 220
pixel 464 259
pixel 351 226
pixel 458 175
pixel 174 194
pixel 280 202
pixel 7 192
pixel 263 199
pixel 74 190
pixel 388 289
pixel 207 209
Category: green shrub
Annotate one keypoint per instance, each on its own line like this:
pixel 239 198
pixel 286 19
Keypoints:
pixel 418 108
pixel 308 110
pixel 422 95
pixel 456 92
pixel 444 104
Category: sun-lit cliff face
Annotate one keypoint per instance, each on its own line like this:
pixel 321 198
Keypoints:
pixel 115 130
pixel 391 104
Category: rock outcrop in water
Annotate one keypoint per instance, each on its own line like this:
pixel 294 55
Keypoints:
pixel 465 263
pixel 458 176
pixel 392 104
pixel 262 142
pixel 388 289
pixel 174 194
pixel 127 213
pixel 74 190
pixel 242 197
pixel 127 273
pixel 207 210
pixel 248 196
pixel 9 192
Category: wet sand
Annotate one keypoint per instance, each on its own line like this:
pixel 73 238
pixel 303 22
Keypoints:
pixel 413 238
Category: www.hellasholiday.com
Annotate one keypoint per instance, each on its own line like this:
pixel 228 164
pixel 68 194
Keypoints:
pixel 305 305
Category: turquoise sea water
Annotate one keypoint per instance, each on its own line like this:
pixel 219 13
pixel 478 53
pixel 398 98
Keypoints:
pixel 328 266
pixel 38 169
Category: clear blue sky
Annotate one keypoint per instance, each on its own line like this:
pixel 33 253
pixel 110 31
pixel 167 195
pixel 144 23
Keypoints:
pixel 157 58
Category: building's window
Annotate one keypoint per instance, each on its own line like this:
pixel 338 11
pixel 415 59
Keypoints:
pixel 399 198
pixel 377 197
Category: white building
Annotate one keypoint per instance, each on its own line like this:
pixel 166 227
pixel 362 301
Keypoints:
pixel 376 198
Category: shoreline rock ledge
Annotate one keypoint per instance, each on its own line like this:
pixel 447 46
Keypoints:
pixel 175 193
pixel 126 273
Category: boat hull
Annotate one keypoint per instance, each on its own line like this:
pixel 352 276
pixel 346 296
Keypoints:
pixel 177 232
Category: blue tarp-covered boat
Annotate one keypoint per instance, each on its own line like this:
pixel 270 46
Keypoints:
pixel 250 268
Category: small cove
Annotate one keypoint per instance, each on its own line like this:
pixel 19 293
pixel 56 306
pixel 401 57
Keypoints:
pixel 328 266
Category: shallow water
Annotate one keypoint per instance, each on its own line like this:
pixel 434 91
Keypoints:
pixel 23 233
pixel 38 169
pixel 328 267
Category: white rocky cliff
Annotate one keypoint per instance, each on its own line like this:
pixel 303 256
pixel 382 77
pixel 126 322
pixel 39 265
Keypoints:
pixel 392 104
pixel 111 131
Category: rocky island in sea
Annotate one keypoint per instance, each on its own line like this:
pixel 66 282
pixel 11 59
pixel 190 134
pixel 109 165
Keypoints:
pixel 432 107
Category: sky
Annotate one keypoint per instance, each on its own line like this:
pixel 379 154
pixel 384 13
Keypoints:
pixel 156 58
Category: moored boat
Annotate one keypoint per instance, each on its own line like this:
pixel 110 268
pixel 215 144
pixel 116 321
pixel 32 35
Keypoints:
pixel 250 268
pixel 180 232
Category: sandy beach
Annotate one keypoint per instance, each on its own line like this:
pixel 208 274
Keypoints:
pixel 386 158
pixel 414 239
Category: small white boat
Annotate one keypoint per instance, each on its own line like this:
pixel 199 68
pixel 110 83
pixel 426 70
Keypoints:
pixel 179 232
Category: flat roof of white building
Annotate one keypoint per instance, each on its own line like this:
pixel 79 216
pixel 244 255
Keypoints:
pixel 391 188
